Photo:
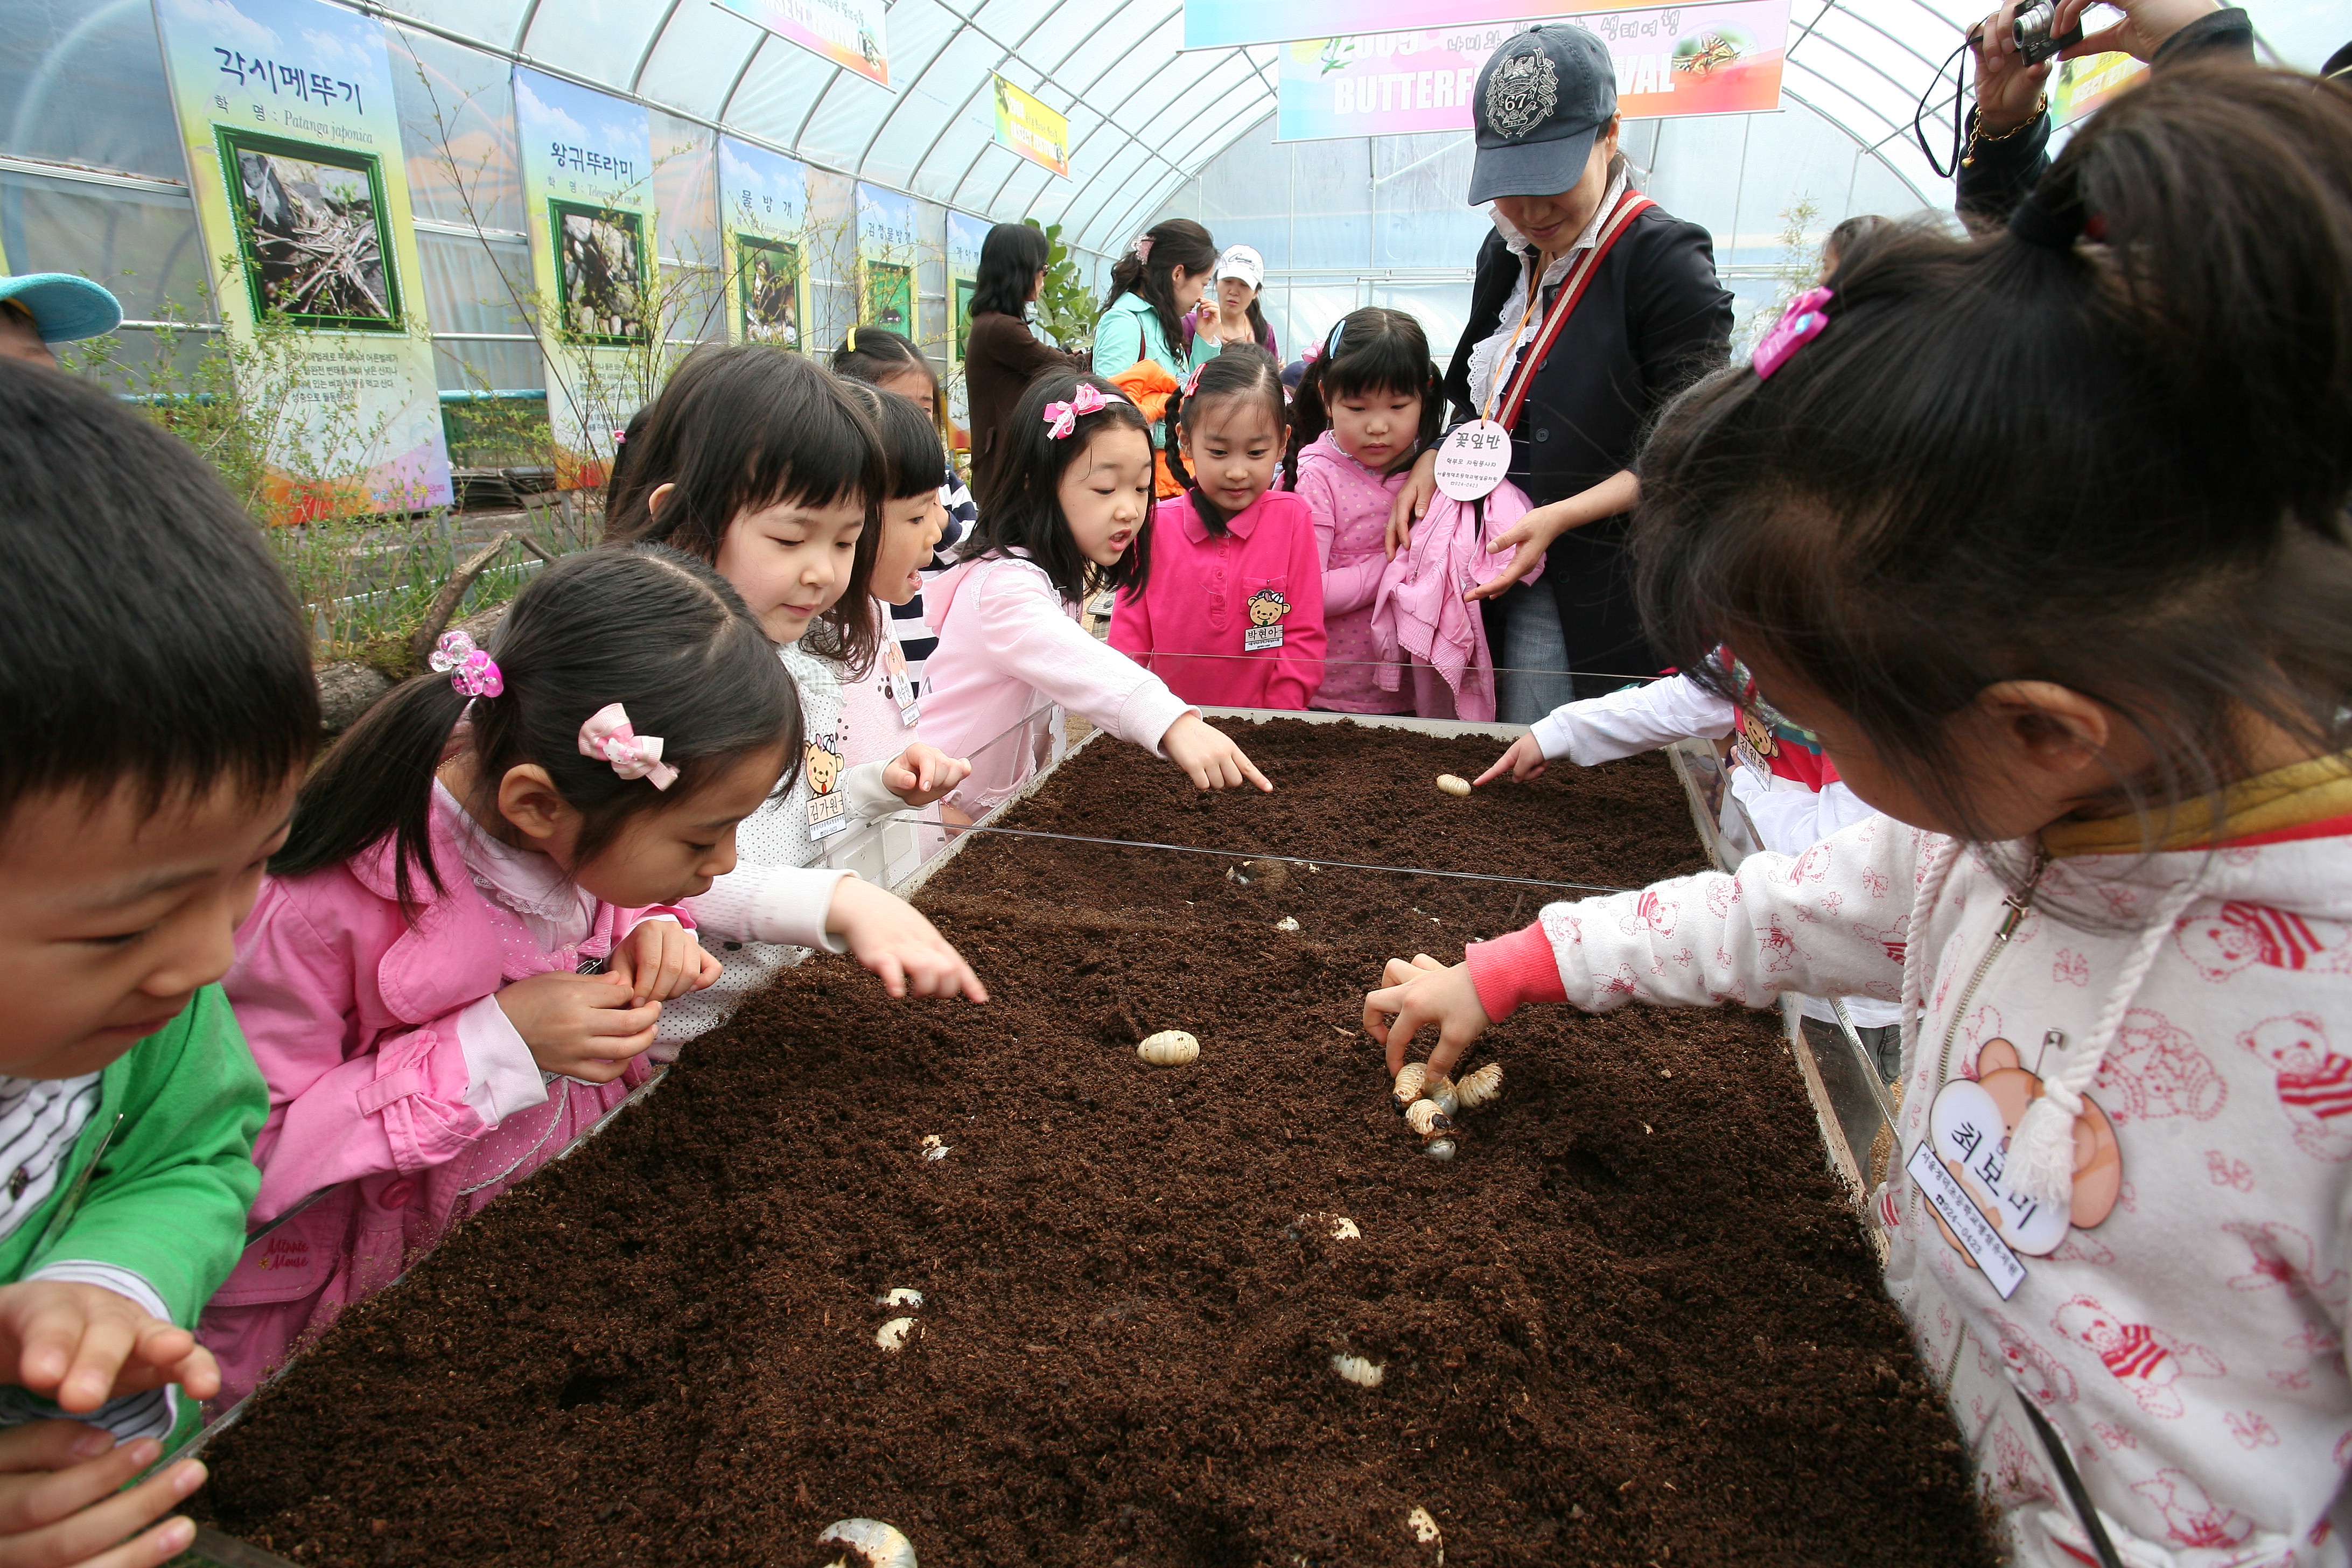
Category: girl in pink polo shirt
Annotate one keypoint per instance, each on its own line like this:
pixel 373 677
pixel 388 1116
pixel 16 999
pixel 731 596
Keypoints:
pixel 1228 608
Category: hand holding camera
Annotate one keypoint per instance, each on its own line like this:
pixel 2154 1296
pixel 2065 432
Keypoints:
pixel 2015 45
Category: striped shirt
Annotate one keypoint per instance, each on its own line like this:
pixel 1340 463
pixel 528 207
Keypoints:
pixel 916 639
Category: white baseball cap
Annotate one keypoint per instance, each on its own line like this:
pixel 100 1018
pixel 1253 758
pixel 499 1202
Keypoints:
pixel 1241 261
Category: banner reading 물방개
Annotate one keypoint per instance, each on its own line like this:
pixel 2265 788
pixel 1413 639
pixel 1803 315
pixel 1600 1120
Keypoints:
pixel 965 238
pixel 886 249
pixel 293 142
pixel 763 223
pixel 849 33
pixel 1026 125
pixel 588 195
pixel 1723 57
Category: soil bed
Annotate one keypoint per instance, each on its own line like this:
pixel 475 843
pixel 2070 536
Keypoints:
pixel 1633 1321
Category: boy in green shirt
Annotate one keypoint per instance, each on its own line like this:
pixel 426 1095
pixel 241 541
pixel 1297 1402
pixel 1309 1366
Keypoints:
pixel 156 710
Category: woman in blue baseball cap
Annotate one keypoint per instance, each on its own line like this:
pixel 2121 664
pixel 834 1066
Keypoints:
pixel 37 309
pixel 1592 307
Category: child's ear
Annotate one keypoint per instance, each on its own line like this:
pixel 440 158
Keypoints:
pixel 529 800
pixel 2047 727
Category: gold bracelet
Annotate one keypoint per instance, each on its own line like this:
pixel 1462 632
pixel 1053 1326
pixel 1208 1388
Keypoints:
pixel 1977 137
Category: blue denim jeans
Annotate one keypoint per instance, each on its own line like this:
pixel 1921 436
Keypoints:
pixel 1531 675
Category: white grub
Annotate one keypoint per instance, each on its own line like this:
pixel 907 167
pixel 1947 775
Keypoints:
pixel 899 1296
pixel 1481 1087
pixel 893 1334
pixel 1452 784
pixel 1344 1229
pixel 869 1543
pixel 1439 1149
pixel 1424 1527
pixel 1168 1048
pixel 934 1147
pixel 1442 1091
pixel 1424 1118
pixel 1409 1079
pixel 1286 923
pixel 1355 1369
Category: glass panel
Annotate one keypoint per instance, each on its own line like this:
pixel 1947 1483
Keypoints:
pixel 60 62
pixel 1418 186
pixel 990 166
pixel 694 307
pixel 462 364
pixel 698 55
pixel 599 39
pixel 143 245
pixel 456 127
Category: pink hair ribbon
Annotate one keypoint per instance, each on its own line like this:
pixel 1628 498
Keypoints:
pixel 1800 324
pixel 1143 249
pixel 1192 381
pixel 1062 418
pixel 470 670
pixel 607 734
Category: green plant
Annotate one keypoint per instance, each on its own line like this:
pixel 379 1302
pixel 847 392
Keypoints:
pixel 1800 263
pixel 1066 308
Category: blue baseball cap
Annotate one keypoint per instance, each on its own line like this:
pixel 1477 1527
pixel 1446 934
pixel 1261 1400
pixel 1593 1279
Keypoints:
pixel 63 306
pixel 1541 100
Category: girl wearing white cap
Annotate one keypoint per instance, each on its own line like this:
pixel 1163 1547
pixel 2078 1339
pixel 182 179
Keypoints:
pixel 1239 279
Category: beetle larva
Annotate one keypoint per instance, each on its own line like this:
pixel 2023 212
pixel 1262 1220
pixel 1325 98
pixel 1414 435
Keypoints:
pixel 893 1334
pixel 1286 923
pixel 1424 1118
pixel 1442 1091
pixel 1481 1087
pixel 1357 1370
pixel 1422 1525
pixel 1439 1149
pixel 900 1296
pixel 933 1149
pixel 1452 784
pixel 1409 1079
pixel 1168 1048
pixel 867 1543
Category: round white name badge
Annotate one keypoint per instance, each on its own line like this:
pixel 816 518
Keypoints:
pixel 1474 459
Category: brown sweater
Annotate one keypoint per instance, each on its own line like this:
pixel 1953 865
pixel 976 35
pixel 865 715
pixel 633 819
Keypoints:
pixel 1003 358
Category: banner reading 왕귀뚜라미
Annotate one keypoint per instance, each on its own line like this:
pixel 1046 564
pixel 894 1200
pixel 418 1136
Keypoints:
pixel 293 144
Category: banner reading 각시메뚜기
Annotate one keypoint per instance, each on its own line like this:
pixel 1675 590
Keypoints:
pixel 763 230
pixel 587 172
pixel 293 143
pixel 1720 58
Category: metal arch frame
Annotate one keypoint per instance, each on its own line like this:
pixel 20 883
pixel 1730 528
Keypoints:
pixel 1085 96
pixel 952 120
pixel 1253 80
pixel 1869 148
pixel 1068 54
pixel 1208 71
pixel 964 23
pixel 645 56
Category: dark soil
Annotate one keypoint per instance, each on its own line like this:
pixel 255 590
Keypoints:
pixel 1633 1321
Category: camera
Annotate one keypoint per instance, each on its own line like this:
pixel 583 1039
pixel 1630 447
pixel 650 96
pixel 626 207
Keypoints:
pixel 2032 31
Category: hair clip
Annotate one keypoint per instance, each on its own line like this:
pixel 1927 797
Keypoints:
pixel 606 734
pixel 1143 249
pixel 1062 418
pixel 471 671
pixel 1192 381
pixel 1800 324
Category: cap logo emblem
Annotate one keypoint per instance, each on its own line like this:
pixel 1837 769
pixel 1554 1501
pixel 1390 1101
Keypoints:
pixel 1522 94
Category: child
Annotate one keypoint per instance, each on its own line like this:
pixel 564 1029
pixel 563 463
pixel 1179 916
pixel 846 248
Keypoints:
pixel 1227 606
pixel 156 695
pixel 889 363
pixel 419 978
pixel 759 463
pixel 1070 511
pixel 1367 407
pixel 879 713
pixel 1976 521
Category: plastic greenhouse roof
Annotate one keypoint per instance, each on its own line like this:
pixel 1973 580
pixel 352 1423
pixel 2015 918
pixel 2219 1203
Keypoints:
pixel 1144 116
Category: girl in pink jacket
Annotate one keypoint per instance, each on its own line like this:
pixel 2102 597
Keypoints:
pixel 1367 407
pixel 1068 512
pixel 1228 606
pixel 459 958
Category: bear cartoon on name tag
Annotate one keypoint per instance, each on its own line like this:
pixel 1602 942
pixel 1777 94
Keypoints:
pixel 1267 609
pixel 1969 1126
pixel 828 813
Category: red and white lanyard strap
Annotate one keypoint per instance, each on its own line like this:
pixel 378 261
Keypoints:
pixel 1630 206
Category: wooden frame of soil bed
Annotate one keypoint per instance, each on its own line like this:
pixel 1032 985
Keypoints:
pixel 1934 1461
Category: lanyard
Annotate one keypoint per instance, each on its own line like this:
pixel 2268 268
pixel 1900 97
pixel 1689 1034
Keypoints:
pixel 1630 206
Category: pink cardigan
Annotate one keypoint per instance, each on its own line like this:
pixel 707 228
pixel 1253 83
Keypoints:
pixel 351 1012
pixel 1349 505
pixel 1207 599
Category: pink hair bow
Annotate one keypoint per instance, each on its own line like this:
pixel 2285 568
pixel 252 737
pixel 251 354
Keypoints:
pixel 1143 249
pixel 1800 324
pixel 469 670
pixel 1062 418
pixel 1192 381
pixel 634 756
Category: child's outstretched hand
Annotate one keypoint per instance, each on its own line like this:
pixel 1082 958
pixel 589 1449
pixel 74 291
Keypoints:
pixel 82 1345
pixel 1524 761
pixel 1411 997
pixel 60 1506
pixel 921 774
pixel 581 1025
pixel 660 961
pixel 1208 755
pixel 891 937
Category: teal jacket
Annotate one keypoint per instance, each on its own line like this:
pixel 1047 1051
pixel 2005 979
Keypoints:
pixel 1128 331
pixel 176 1121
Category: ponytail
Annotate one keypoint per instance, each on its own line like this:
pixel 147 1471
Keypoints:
pixel 1148 272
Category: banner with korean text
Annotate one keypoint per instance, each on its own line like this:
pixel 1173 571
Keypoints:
pixel 588 205
pixel 763 228
pixel 965 238
pixel 849 33
pixel 1723 57
pixel 1222 23
pixel 1027 126
pixel 887 238
pixel 2078 87
pixel 293 144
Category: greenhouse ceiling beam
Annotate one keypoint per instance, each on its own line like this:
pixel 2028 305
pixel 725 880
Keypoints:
pixel 653 42
pixel 1900 43
pixel 522 28
pixel 1884 163
pixel 1867 64
pixel 750 57
pixel 1066 56
pixel 1086 96
pixel 1155 197
pixel 952 120
pixel 1208 69
pixel 1251 82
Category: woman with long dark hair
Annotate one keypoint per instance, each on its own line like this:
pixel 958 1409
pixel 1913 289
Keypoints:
pixel 1002 356
pixel 1162 276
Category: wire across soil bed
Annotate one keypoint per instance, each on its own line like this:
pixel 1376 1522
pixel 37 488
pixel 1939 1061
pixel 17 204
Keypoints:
pixel 1632 1322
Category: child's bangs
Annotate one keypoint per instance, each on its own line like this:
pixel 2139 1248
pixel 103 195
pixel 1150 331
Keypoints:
pixel 824 456
pixel 1385 366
